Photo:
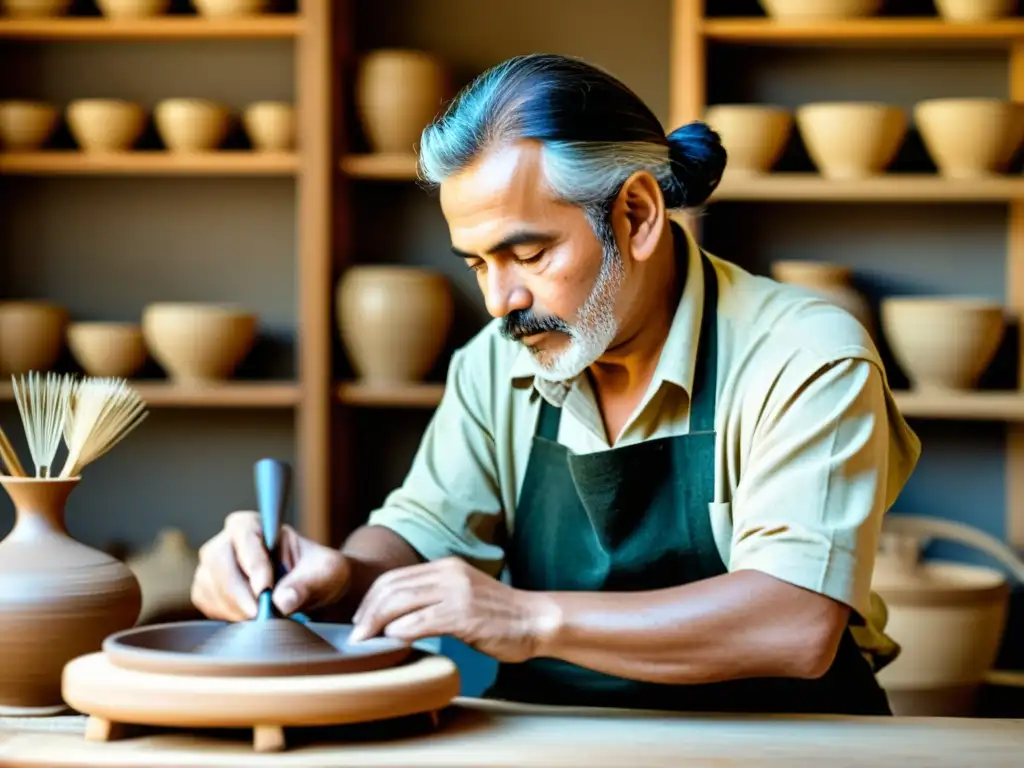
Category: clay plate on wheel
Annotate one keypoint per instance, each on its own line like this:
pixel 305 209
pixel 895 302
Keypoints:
pixel 172 649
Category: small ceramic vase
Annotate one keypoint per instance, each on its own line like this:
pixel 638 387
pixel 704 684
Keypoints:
pixel 59 598
pixel 165 574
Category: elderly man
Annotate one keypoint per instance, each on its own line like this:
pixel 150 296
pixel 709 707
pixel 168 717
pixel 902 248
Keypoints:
pixel 655 480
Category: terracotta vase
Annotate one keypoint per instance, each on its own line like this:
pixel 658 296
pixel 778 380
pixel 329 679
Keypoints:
pixel 398 92
pixel 831 282
pixel 58 597
pixel 393 321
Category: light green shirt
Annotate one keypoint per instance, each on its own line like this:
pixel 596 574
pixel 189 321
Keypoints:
pixel 811 449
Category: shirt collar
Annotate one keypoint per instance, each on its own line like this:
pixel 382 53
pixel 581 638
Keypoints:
pixel 677 361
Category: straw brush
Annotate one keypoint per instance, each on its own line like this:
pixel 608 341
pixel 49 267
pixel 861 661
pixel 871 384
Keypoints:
pixel 90 414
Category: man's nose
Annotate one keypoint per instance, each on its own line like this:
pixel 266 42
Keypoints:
pixel 503 293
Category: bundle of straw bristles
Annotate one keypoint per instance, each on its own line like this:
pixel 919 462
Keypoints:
pixel 88 414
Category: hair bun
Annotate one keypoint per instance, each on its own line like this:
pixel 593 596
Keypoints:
pixel 698 161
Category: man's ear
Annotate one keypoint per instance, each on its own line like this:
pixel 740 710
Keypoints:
pixel 639 216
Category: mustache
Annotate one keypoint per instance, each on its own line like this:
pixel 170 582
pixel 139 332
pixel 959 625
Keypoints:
pixel 523 322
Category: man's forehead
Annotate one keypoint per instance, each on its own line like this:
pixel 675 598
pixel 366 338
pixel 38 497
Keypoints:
pixel 509 178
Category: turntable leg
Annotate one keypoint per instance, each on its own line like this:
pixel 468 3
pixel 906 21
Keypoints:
pixel 268 738
pixel 100 729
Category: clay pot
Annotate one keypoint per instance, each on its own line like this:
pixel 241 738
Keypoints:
pixel 58 597
pixel 26 126
pixel 31 336
pixel 197 343
pixel 270 125
pixel 832 282
pixel 105 125
pixel 164 572
pixel 947 617
pixel 107 349
pixel 851 140
pixel 754 135
pixel 975 10
pixel 132 9
pixel 942 343
pixel 819 10
pixel 397 93
pixel 393 321
pixel 225 9
pixel 972 137
pixel 191 125
pixel 34 9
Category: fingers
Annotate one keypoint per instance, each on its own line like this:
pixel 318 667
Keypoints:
pixel 393 596
pixel 430 621
pixel 220 590
pixel 320 575
pixel 250 552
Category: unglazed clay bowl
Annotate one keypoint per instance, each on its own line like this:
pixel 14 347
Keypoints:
pixel 229 8
pixel 197 342
pixel 819 10
pixel 31 335
pixel 270 125
pixel 970 137
pixel 973 11
pixel 754 135
pixel 133 9
pixel 191 125
pixel 26 125
pixel 942 344
pixel 107 349
pixel 851 139
pixel 170 649
pixel 34 9
pixel 105 125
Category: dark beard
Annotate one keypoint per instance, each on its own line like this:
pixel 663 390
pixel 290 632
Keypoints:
pixel 523 322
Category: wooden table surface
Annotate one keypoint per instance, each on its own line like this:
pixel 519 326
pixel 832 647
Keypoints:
pixel 487 734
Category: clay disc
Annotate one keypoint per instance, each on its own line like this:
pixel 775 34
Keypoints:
pixel 173 649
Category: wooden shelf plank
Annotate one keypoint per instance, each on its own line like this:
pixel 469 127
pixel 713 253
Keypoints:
pixel 902 187
pixel 397 396
pixel 174 27
pixel 879 31
pixel 973 406
pixel 384 167
pixel 230 394
pixel 227 163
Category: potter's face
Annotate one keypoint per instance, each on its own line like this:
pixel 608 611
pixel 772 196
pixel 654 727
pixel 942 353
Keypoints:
pixel 537 260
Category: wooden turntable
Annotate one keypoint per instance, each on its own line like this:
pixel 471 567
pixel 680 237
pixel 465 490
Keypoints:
pixel 268 673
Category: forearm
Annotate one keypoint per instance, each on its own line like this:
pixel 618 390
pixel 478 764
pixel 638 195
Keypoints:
pixel 743 624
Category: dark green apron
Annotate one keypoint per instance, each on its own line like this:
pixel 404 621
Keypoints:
pixel 636 518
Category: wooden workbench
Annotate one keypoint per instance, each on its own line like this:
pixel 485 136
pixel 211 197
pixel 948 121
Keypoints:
pixel 486 734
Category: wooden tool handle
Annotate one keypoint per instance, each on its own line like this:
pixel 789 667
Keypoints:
pixel 273 483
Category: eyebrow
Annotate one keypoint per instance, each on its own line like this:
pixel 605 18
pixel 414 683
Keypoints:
pixel 523 237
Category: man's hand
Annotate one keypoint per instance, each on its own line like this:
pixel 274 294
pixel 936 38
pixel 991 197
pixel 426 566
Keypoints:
pixel 450 597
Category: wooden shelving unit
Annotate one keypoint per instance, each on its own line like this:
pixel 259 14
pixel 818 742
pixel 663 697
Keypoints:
pixel 311 396
pixel 225 163
pixel 397 396
pixel 693 32
pixel 183 27
pixel 380 166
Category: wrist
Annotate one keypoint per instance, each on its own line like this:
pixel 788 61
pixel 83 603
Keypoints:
pixel 545 619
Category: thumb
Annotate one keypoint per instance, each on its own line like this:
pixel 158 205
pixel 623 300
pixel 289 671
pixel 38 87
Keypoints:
pixel 302 585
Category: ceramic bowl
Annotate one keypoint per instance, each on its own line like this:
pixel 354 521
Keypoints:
pixel 754 135
pixel 970 137
pixel 819 10
pixel 26 126
pixel 133 9
pixel 191 125
pixel 851 139
pixel 974 10
pixel 270 125
pixel 31 336
pixel 942 343
pixel 107 349
pixel 34 9
pixel 196 342
pixel 105 125
pixel 229 8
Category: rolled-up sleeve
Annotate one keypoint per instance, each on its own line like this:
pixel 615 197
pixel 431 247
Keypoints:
pixel 818 478
pixel 449 502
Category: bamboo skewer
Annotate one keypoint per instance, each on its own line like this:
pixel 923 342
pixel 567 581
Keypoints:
pixel 8 456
